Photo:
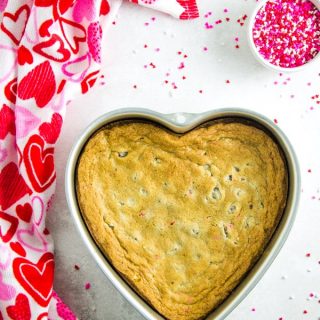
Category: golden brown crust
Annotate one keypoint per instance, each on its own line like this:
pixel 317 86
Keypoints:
pixel 182 217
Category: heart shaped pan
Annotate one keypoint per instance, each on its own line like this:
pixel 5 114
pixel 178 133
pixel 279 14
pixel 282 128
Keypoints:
pixel 182 123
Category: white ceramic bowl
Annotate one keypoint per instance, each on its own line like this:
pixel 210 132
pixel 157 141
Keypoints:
pixel 261 59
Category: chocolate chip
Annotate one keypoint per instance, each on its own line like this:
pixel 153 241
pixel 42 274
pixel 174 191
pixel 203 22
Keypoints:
pixel 216 194
pixel 232 209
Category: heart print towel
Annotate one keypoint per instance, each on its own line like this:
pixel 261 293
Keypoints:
pixel 50 51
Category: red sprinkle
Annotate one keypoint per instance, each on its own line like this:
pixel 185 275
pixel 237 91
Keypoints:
pixel 308 255
pixel 287 32
pixel 305 311
pixel 76 267
pixel 87 286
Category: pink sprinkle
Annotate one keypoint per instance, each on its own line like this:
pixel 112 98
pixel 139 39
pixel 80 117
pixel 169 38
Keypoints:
pixel 236 39
pixel 253 309
pixel 308 255
pixel 287 32
pixel 309 170
pixel 146 23
pixel 281 318
pixel 275 121
pixel 153 18
pixel 205 49
pixel 228 81
pixel 200 91
pixel 87 286
pixel 225 10
pixel 157 49
pixel 311 295
pixel 181 66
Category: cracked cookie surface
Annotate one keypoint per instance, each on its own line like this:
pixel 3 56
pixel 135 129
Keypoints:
pixel 182 218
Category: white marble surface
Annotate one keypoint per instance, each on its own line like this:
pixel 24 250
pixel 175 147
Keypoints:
pixel 284 290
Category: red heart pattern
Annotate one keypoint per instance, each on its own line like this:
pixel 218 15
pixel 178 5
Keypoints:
pixel 36 278
pixel 39 162
pixel 12 186
pixel 24 212
pixel 24 56
pixel 7 121
pixel 21 309
pixel 104 8
pixel 74 33
pixel 18 248
pixel 49 50
pixel 6 235
pixel 50 47
pixel 50 130
pixel 39 84
pixel 44 29
pixel 10 90
pixel 14 24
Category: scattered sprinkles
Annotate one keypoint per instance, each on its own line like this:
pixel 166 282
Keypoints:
pixel 287 32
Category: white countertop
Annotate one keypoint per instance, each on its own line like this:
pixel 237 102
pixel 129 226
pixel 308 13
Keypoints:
pixel 285 289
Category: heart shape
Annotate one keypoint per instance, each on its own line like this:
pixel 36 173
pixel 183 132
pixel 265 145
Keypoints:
pixel 94 41
pixel 39 84
pixel 7 121
pixel 39 162
pixel 53 49
pixel 44 29
pixel 8 227
pixel 50 131
pixel 10 90
pixel 24 56
pixel 14 24
pixel 32 239
pixel 84 9
pixel 24 212
pixel 36 278
pixel 7 292
pixel 21 309
pixel 18 248
pixel 74 33
pixel 76 69
pixel 104 8
pixel 183 218
pixel 26 121
pixel 12 186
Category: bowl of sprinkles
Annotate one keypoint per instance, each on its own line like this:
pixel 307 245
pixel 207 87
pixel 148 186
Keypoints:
pixel 284 35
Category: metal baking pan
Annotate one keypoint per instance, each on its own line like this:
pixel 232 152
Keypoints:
pixel 181 123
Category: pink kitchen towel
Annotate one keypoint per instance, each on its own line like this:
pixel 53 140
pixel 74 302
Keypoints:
pixel 50 52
